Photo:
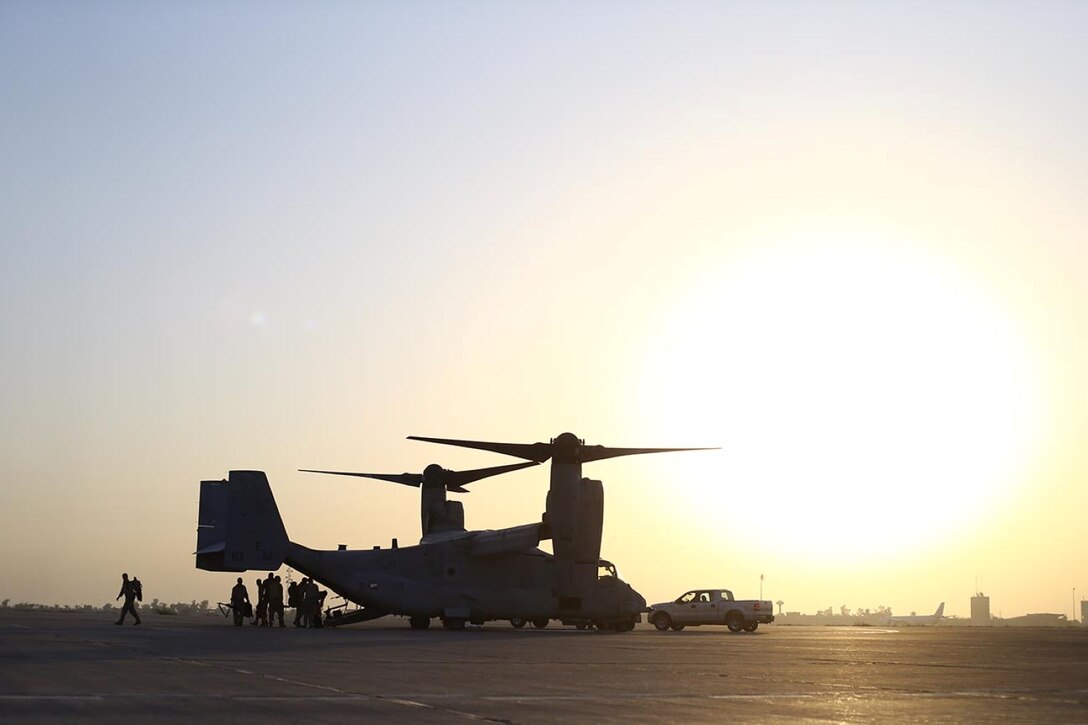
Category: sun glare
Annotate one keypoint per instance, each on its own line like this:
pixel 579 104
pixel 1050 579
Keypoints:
pixel 868 403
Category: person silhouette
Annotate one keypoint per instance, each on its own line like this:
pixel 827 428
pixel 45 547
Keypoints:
pixel 239 598
pixel 305 599
pixel 275 599
pixel 294 601
pixel 261 616
pixel 128 591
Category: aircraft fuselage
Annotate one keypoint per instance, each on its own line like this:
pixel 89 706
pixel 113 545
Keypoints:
pixel 446 580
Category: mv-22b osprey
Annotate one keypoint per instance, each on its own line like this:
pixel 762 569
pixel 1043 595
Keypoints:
pixel 456 575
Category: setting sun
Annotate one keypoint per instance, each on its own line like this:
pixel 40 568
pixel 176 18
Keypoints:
pixel 876 397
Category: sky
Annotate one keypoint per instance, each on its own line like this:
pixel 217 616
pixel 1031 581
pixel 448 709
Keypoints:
pixel 842 241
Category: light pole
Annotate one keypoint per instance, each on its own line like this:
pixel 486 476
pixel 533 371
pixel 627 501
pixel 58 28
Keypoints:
pixel 1074 605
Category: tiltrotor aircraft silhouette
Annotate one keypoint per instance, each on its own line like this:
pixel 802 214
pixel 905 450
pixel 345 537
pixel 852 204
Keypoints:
pixel 456 575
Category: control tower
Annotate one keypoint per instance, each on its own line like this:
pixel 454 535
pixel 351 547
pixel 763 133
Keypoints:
pixel 980 610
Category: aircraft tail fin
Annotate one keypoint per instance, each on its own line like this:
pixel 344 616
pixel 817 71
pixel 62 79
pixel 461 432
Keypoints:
pixel 239 525
pixel 940 611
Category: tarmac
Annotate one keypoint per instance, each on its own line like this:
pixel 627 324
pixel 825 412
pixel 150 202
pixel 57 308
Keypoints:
pixel 57 666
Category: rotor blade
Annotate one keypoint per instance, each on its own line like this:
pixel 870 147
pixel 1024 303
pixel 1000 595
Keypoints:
pixel 408 479
pixel 455 480
pixel 597 453
pixel 538 452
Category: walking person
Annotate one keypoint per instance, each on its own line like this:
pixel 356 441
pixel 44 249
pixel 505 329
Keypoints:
pixel 130 590
pixel 239 600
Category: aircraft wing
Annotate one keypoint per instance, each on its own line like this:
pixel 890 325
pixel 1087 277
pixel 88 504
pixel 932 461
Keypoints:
pixel 505 541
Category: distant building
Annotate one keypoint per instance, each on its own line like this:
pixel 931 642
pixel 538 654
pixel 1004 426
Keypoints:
pixel 980 610
pixel 1083 611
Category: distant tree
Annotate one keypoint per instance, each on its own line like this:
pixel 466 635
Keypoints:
pixel 844 611
pixel 4 604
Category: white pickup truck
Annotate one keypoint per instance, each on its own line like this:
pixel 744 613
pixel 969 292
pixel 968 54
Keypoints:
pixel 711 606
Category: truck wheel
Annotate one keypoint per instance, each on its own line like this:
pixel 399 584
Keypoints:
pixel 662 621
pixel 454 623
pixel 751 627
pixel 419 622
pixel 517 622
pixel 540 623
pixel 625 626
pixel 735 621
pixel 677 628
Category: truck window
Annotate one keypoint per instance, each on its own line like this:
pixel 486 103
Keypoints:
pixel 685 598
pixel 727 596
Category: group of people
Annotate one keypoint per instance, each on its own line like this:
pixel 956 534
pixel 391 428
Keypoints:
pixel 304 597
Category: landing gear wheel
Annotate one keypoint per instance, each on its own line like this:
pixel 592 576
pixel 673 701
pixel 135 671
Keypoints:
pixel 752 627
pixel 540 623
pixel 517 622
pixel 735 622
pixel 419 622
pixel 453 623
pixel 662 621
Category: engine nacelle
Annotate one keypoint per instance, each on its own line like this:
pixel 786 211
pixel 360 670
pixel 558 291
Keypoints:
pixel 575 517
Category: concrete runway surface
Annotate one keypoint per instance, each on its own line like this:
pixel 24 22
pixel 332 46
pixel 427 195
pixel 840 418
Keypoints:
pixel 60 666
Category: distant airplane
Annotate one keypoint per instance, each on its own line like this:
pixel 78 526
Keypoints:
pixel 919 618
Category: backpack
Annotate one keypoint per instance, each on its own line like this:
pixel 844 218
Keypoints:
pixel 138 589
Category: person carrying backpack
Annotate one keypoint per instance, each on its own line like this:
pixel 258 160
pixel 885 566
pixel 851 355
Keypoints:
pixel 131 591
